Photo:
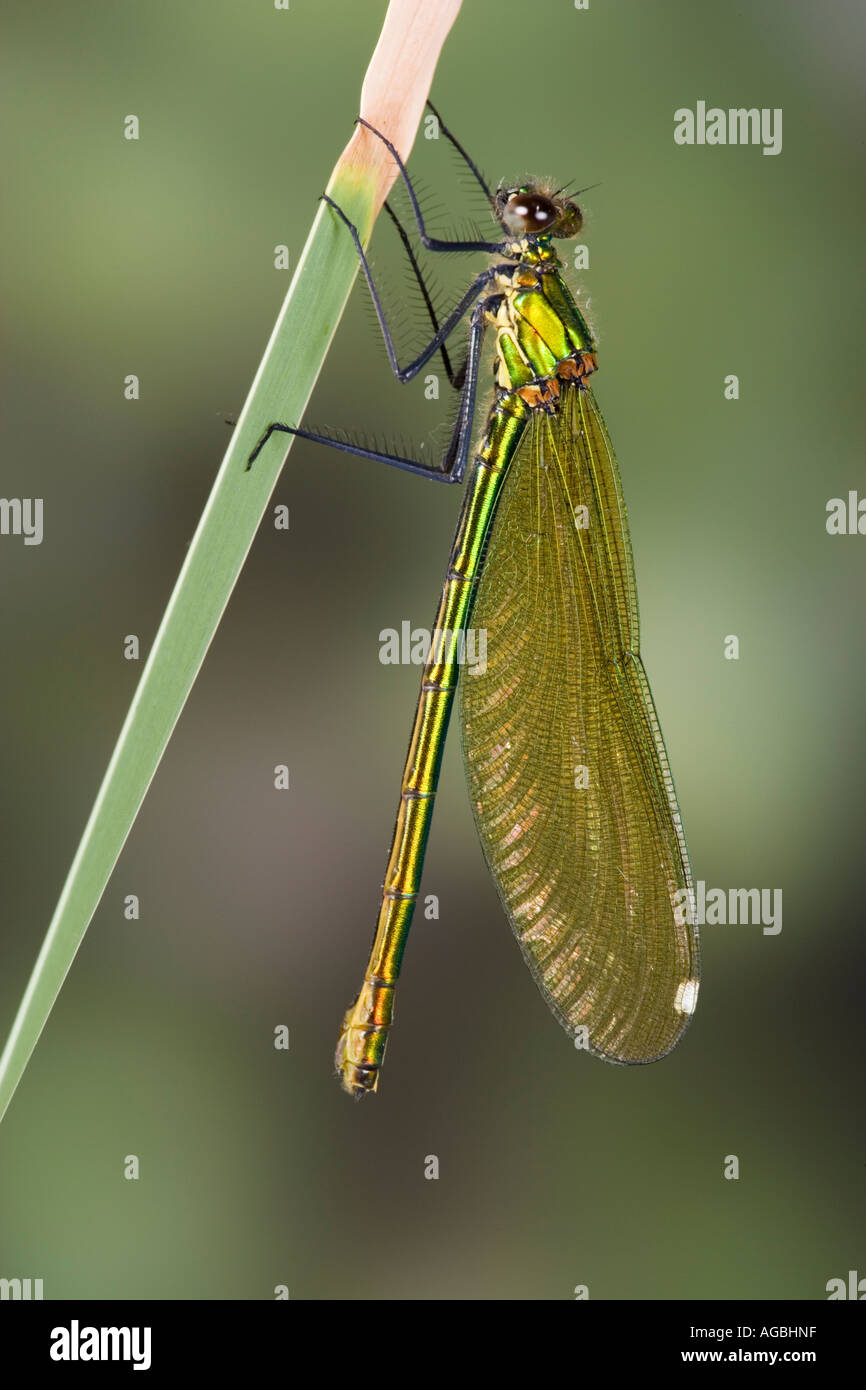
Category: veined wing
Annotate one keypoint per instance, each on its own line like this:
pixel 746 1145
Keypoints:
pixel 568 775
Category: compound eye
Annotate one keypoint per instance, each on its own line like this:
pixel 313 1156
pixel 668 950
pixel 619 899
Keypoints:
pixel 528 213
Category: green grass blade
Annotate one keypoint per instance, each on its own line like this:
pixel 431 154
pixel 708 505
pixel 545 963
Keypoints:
pixel 225 533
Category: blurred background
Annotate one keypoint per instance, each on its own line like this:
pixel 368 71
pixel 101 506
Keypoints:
pixel 257 908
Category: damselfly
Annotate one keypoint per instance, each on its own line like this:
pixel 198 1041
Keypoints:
pixel 569 780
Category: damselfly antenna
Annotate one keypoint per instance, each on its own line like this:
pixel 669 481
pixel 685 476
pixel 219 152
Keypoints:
pixel 566 186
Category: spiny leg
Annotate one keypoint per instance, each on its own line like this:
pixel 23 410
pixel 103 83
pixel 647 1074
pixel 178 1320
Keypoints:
pixel 426 470
pixel 457 453
pixel 452 140
pixel 454 378
pixel 457 450
pixel 406 373
pixel 431 243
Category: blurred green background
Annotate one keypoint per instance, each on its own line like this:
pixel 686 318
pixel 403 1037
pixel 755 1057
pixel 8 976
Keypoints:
pixel 156 258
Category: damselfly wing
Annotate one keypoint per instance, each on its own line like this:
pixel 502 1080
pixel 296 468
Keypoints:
pixel 568 776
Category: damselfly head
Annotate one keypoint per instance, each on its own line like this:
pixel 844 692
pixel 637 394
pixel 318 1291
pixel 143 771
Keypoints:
pixel 533 211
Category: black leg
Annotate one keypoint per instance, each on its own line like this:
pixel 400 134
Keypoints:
pixel 455 378
pixel 426 470
pixel 447 328
pixel 452 140
pixel 457 453
pixel 431 243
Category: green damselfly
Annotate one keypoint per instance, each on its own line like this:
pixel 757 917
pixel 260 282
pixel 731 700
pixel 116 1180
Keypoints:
pixel 570 785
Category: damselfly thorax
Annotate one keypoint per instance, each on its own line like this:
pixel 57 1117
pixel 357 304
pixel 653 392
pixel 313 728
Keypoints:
pixel 541 338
